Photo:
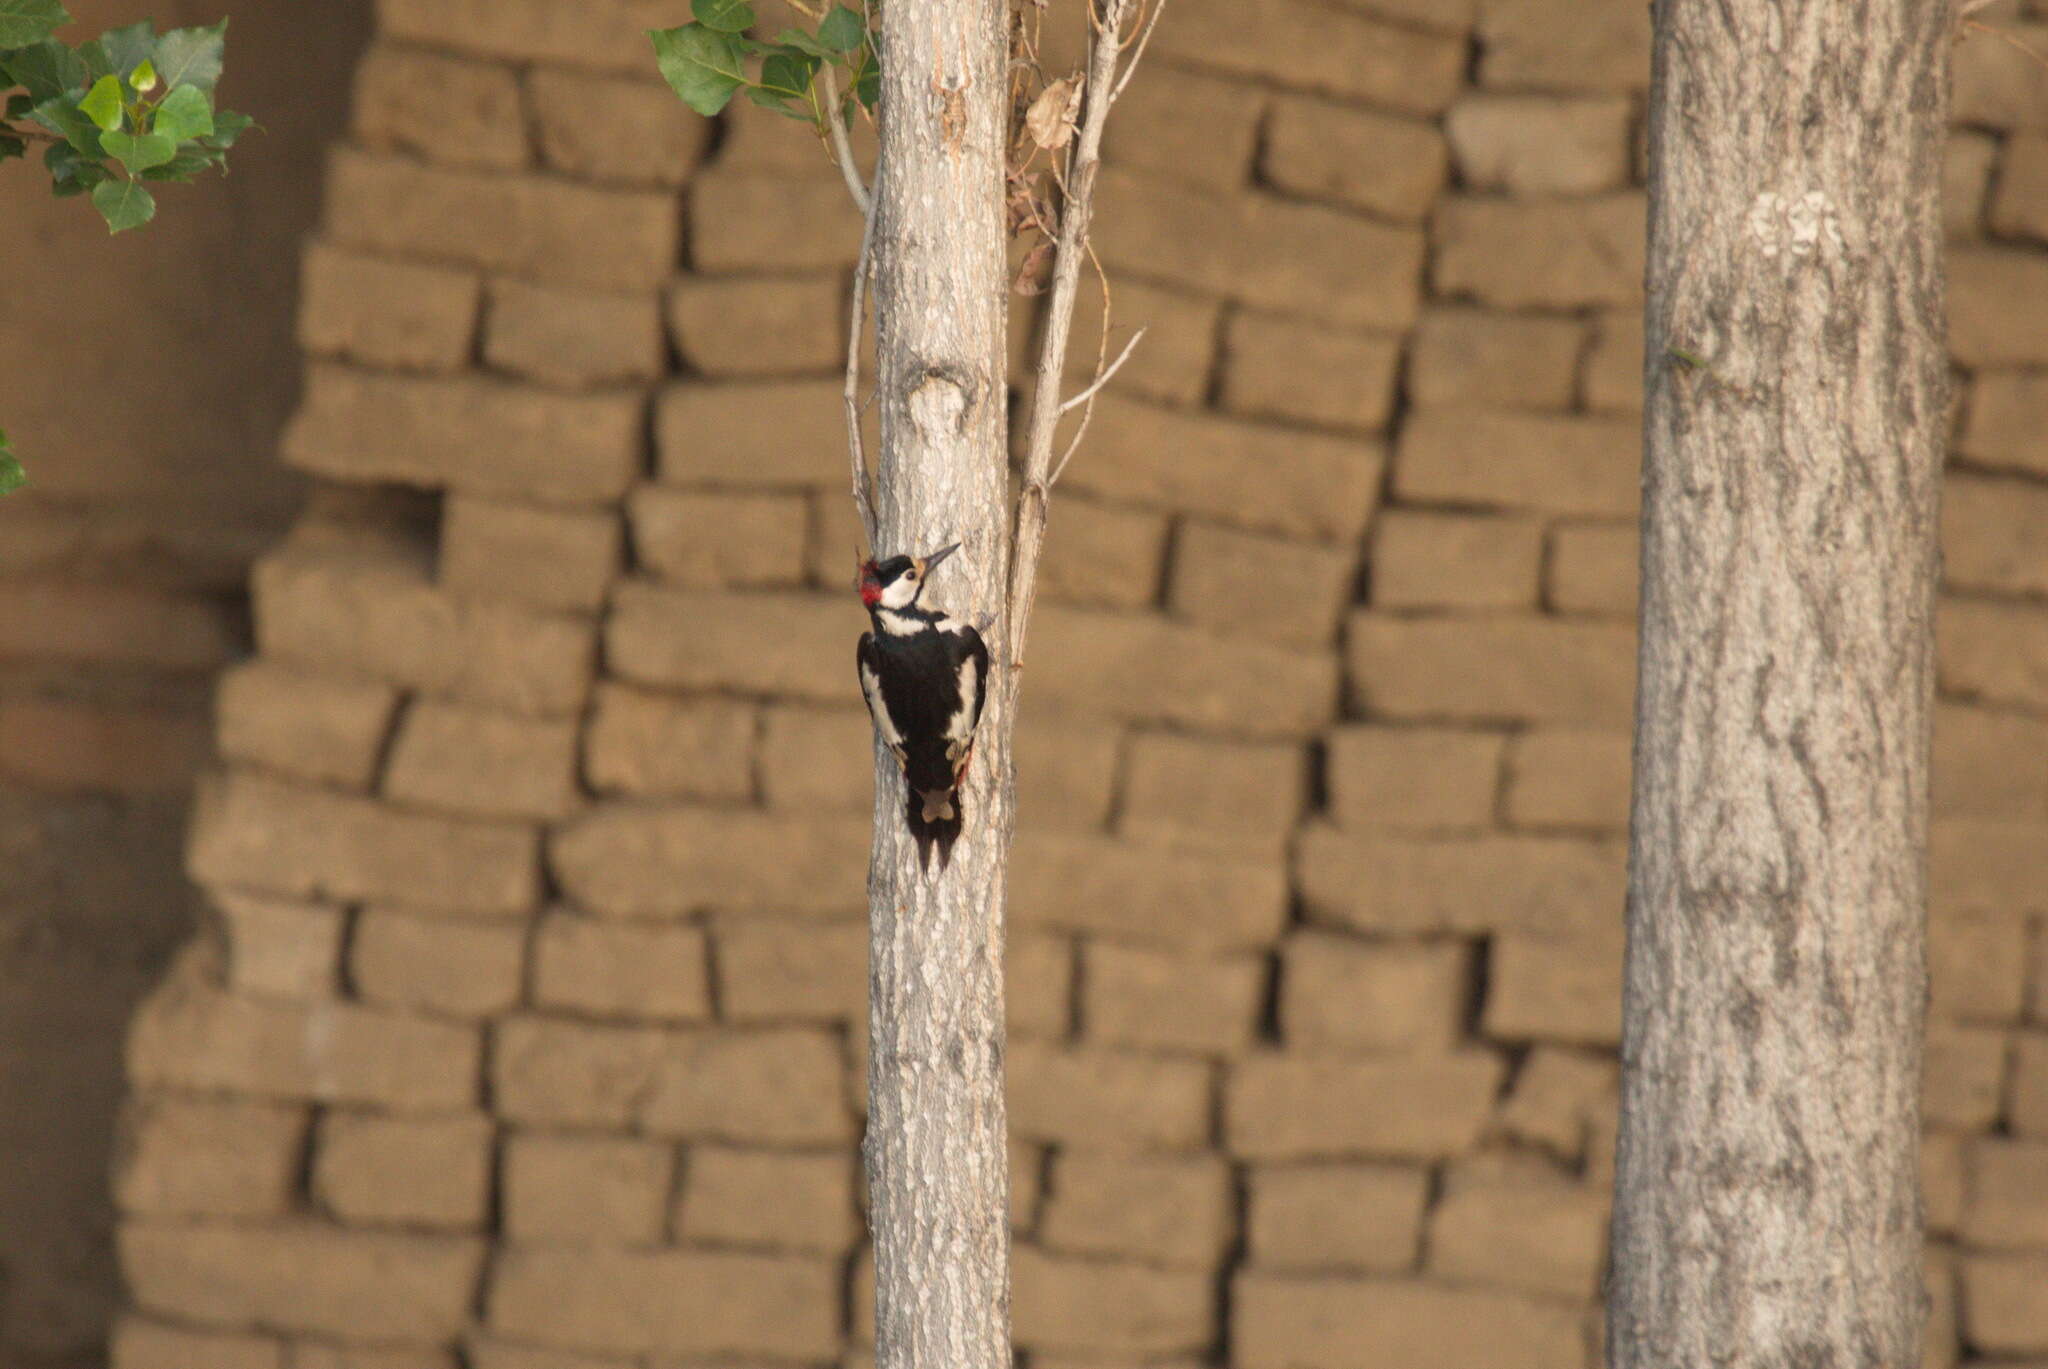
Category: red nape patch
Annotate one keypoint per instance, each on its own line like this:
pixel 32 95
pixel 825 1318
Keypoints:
pixel 869 585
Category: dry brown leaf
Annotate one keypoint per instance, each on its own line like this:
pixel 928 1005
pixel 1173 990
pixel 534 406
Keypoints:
pixel 1052 116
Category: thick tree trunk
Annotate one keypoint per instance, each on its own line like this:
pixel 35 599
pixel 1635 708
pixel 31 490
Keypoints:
pixel 938 1175
pixel 1766 1206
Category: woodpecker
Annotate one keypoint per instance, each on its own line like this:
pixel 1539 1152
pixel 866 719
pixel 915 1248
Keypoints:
pixel 924 674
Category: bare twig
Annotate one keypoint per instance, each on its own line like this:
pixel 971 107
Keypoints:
pixel 842 150
pixel 1107 42
pixel 1138 53
pixel 2002 36
pixel 863 489
pixel 1108 374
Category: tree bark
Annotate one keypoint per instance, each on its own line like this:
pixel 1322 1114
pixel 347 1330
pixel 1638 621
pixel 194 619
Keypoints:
pixel 1766 1205
pixel 937 1155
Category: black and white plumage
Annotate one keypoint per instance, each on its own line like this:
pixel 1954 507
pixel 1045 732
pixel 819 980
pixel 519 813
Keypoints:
pixel 924 674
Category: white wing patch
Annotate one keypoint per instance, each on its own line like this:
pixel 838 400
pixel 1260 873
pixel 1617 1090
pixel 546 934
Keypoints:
pixel 960 726
pixel 871 689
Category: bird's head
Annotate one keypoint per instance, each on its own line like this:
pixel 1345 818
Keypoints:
pixel 896 582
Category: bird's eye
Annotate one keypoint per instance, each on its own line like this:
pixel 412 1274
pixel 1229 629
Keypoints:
pixel 910 575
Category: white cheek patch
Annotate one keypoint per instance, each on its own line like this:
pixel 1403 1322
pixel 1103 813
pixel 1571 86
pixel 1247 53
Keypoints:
pixel 901 593
pixel 871 687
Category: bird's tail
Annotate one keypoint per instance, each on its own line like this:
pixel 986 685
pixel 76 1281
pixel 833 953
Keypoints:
pixel 934 819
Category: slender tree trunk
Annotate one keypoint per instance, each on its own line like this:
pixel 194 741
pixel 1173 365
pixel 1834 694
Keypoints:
pixel 1766 1206
pixel 937 1156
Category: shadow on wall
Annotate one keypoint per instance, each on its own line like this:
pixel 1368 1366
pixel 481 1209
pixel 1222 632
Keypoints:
pixel 146 380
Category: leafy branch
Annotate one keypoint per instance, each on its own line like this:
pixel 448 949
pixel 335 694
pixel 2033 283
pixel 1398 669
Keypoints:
pixel 708 61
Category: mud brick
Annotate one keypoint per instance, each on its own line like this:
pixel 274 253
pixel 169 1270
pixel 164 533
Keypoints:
pixel 713 434
pixel 471 434
pixel 207 1157
pixel 1998 83
pixel 2028 1110
pixel 1063 1303
pixel 1941 1181
pixel 1193 899
pixel 710 539
pixel 1278 1107
pixel 2003 1311
pixel 1323 1323
pixel 1431 668
pixel 1966 169
pixel 1992 532
pixel 609 39
pixel 1328 1217
pixel 599 128
pixel 1564 44
pixel 1554 1098
pixel 1569 778
pixel 1112 1099
pixel 1593 568
pixel 1540 886
pixel 787 1200
pixel 1065 770
pixel 1384 165
pixel 1555 990
pixel 1455 560
pixel 606 1189
pixel 1343 54
pixel 113 625
pixel 1102 557
pixel 1269 253
pixel 1546 1237
pixel 69 746
pixel 2003 421
pixel 1465 357
pixel 307 843
pixel 316 1355
pixel 793 971
pixel 1963 1083
pixel 742 220
pixel 1977 966
pixel 1297 372
pixel 2021 207
pixel 1996 296
pixel 1171 365
pixel 541 228
pixel 632 861
pixel 140 1344
pixel 309 726
pixel 382 1171
pixel 1245 474
pixel 577 339
pixel 1170 1210
pixel 372 1285
pixel 653 745
pixel 1159 1000
pixel 778 1087
pixel 1540 254
pixel 386 313
pixel 1528 461
pixel 760 325
pixel 549 1071
pixel 2007 1202
pixel 1188 127
pixel 818 758
pixel 1143 670
pixel 436 965
pixel 1341 993
pixel 469 760
pixel 1531 145
pixel 281 947
pixel 764 643
pixel 1993 651
pixel 621 970
pixel 1614 366
pixel 688 1302
pixel 443 108
pixel 189 1036
pixel 1231 795
pixel 1413 778
pixel 495 1354
pixel 1039 983
pixel 550 558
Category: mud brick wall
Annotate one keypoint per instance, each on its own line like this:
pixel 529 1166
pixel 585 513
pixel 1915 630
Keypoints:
pixel 528 1031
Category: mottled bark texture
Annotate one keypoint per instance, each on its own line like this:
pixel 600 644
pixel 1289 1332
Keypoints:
pixel 1767 1209
pixel 937 1159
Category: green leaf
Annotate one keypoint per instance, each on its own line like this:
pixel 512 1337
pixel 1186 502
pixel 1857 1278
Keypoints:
pixel 143 79
pixel 185 113
pixel 70 173
pixel 867 82
pixel 63 116
pixel 804 42
pixel 12 476
pixel 23 22
pixel 780 103
pixel 11 147
pixel 192 57
pixel 119 51
pixel 842 30
pixel 103 104
pixel 46 69
pixel 724 16
pixel 227 126
pixel 123 204
pixel 789 74
pixel 184 167
pixel 139 151
pixel 19 104
pixel 702 66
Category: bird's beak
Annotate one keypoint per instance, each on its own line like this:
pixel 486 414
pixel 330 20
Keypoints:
pixel 924 567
